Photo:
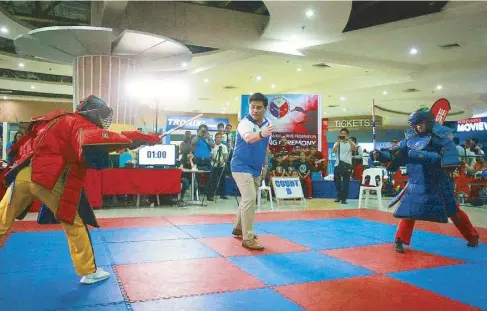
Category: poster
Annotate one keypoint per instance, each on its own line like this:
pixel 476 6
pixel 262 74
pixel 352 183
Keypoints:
pixel 297 116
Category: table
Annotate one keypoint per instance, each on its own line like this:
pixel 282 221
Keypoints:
pixel 193 176
pixel 135 181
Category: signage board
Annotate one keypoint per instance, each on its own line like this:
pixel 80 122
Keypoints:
pixel 472 125
pixel 212 123
pixel 287 188
pixel 353 122
pixel 157 155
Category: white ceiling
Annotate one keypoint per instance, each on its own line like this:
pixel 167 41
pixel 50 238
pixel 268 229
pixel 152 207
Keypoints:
pixel 364 64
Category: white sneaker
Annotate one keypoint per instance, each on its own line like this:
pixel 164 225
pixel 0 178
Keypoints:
pixel 97 276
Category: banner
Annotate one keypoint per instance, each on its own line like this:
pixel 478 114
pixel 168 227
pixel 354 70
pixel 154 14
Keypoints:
pixel 297 116
pixel 174 121
pixel 287 187
pixel 324 140
pixel 440 109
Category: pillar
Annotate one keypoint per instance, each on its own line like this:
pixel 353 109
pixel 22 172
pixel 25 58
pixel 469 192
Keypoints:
pixel 105 76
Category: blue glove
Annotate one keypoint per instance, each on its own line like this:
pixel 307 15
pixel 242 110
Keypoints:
pixel 484 174
pixel 424 156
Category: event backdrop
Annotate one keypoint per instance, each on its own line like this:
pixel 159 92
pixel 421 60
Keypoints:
pixel 295 115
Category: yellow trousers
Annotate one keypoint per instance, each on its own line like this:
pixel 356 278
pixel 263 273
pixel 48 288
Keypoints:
pixel 23 192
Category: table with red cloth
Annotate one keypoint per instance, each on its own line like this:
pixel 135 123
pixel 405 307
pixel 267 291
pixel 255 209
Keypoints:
pixel 117 181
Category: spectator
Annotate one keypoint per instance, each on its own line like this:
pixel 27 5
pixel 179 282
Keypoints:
pixel 318 163
pixel 17 137
pixel 219 156
pixel 304 169
pixel 202 145
pixel 185 147
pixel 278 168
pixel 343 148
pixel 357 160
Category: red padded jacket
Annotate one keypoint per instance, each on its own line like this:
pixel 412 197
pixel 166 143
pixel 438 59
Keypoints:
pixel 53 145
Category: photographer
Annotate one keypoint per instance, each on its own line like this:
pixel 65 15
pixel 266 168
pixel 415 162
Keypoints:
pixel 344 147
pixel 202 145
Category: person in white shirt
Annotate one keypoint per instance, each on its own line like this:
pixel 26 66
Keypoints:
pixel 219 156
pixel 344 147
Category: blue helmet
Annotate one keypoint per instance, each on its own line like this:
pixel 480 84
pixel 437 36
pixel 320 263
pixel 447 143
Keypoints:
pixel 420 116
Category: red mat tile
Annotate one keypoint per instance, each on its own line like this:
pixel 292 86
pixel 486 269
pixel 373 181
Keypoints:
pixel 383 259
pixel 229 246
pixel 184 277
pixel 378 293
pixel 33 226
pixel 132 222
pixel 201 219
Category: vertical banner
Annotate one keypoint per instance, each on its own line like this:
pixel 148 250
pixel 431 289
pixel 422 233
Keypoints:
pixel 297 116
pixel 324 139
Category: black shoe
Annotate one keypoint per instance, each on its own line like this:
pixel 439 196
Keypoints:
pixel 398 246
pixel 474 242
pixel 344 202
pixel 224 197
pixel 337 200
pixel 210 199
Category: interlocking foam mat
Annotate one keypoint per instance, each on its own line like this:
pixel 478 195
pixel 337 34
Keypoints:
pixel 314 260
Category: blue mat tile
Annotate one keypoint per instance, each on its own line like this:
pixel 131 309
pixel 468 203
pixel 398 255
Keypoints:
pixel 143 234
pixel 31 291
pixel 322 240
pixel 249 300
pixel 277 227
pixel 384 233
pixel 42 239
pixel 293 268
pixel 452 247
pixel 47 258
pixel 420 235
pixel 152 251
pixel 122 306
pixel 212 231
pixel 465 283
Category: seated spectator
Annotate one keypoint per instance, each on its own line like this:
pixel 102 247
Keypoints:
pixel 318 163
pixel 187 162
pixel 278 169
pixel 18 136
pixel 303 167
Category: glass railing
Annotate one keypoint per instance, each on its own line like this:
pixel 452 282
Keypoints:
pixel 33 76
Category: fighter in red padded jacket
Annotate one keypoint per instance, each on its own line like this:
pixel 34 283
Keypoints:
pixel 50 166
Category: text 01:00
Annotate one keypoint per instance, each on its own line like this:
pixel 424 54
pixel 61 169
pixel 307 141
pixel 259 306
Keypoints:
pixel 156 154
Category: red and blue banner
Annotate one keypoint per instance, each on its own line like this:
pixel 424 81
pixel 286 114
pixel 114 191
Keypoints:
pixel 297 116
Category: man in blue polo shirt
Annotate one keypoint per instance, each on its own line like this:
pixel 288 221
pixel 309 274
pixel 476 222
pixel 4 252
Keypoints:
pixel 249 163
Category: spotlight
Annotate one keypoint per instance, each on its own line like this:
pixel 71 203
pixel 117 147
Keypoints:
pixel 299 69
pixel 32 86
pixel 439 87
pixel 21 65
pixel 206 80
pixel 342 98
pixel 310 13
pixel 259 78
pixel 4 30
pixel 385 92
pixel 184 64
pixel 413 51
pixel 273 86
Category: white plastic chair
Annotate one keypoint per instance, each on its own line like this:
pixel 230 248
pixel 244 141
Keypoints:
pixel 375 184
pixel 262 189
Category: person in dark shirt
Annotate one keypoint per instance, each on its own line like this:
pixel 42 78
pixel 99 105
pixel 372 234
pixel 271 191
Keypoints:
pixel 187 162
pixel 278 167
pixel 318 163
pixel 304 169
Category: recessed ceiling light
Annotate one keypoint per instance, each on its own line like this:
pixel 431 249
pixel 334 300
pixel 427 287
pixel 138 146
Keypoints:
pixel 227 103
pixel 310 13
pixel 259 78
pixel 5 97
pixel 206 80
pixel 251 93
pixel 344 109
pixel 299 69
pixel 273 86
pixel 342 98
pixel 32 86
pixel 184 64
pixel 385 92
pixel 324 112
pixel 21 65
pixel 413 51
pixel 439 87
pixel 236 98
pixel 4 30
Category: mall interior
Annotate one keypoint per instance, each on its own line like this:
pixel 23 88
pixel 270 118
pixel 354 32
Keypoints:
pixel 374 122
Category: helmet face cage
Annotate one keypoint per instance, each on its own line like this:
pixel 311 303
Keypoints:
pixel 420 116
pixel 96 110
pixel 107 121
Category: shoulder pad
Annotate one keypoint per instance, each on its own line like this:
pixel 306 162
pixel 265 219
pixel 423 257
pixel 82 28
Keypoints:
pixel 441 131
pixel 409 133
pixel 51 116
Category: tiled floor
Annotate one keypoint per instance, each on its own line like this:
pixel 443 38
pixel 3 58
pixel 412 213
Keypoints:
pixel 322 256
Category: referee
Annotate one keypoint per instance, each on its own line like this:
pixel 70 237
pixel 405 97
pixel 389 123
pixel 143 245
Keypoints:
pixel 250 155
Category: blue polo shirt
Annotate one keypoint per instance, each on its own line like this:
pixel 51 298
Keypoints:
pixel 249 158
pixel 202 150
